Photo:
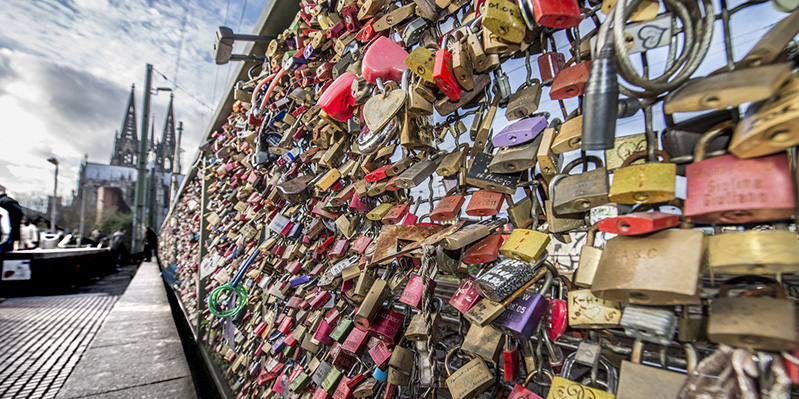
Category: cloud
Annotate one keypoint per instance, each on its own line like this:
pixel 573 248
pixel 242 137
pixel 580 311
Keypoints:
pixel 65 73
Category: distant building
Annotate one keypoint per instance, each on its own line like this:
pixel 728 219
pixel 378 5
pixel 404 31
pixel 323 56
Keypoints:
pixel 111 189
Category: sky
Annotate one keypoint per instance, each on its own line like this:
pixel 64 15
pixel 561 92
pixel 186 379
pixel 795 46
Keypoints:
pixel 66 69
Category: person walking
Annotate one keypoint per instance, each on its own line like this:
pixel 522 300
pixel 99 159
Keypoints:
pixel 150 244
pixel 118 248
pixel 14 219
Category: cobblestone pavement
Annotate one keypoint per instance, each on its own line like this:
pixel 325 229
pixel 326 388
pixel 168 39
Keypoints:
pixel 42 339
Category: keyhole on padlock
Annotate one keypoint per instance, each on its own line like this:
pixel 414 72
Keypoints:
pixel 629 40
pixel 512 138
pixel 510 166
pixel 421 70
pixel 623 226
pixel 639 296
pixel 389 20
pixel 560 21
pixel 711 100
pixel 737 216
pixel 749 339
pixel 570 90
pixel 503 29
pixel 640 196
pixel 582 204
pixel 780 136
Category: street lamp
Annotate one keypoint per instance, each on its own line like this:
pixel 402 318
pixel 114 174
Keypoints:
pixel 54 161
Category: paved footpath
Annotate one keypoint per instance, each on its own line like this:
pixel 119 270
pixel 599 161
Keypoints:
pixel 137 353
pixel 42 339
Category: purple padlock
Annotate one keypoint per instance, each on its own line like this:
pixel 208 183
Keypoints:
pixel 521 317
pixel 299 281
pixel 520 132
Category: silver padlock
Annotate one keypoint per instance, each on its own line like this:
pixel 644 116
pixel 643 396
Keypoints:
pixel 413 31
pixel 649 324
pixel 502 86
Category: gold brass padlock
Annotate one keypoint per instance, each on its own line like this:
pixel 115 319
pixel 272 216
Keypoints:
pixel 327 181
pixel 483 342
pixel 569 136
pixel 462 65
pixel 753 252
pixel 623 147
pixel 589 260
pixel 469 381
pixel 525 245
pixel 547 159
pixel 492 44
pixel 451 163
pixel 770 126
pixel 648 183
pixel 503 18
pixel 421 62
pixel 661 268
pixel 588 311
pixel 515 159
pixel 580 192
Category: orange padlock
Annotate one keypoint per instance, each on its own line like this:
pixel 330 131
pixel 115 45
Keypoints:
pixel 570 82
pixel 447 208
pixel 485 203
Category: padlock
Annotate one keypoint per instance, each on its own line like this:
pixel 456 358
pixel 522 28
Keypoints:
pixel 418 172
pixel 379 212
pixel 371 305
pixel 479 175
pixel 521 391
pixel 639 381
pixel 494 45
pixel 484 251
pixel 549 62
pixel 520 132
pixel 644 184
pixel 515 159
pixel 503 18
pixel 570 82
pixel 649 324
pixel 588 311
pixel 470 234
pixel 413 293
pixel 396 214
pixel 476 52
pixel 754 322
pixel 662 268
pixel 469 381
pixel 485 203
pixel 443 75
pixel 524 101
pixel 548 161
pixel 504 279
pixel 589 260
pixel 400 365
pixel 466 295
pixel 421 61
pixel 522 316
pixel 501 87
pixel 558 14
pixel 729 190
pixel 623 147
pixel 447 208
pixel 510 360
pixel 564 388
pixel 638 223
pixel 387 324
pixel 581 192
pixel 753 252
pixel 569 135
pixel 483 342
pixel 337 101
pixel 451 163
pixel 385 60
pixel 525 245
pixel 769 126
pixel 462 63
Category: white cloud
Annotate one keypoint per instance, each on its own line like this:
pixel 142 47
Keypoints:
pixel 65 73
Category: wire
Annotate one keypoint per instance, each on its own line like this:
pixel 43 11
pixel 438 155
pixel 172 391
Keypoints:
pixel 183 21
pixel 193 97
pixel 241 18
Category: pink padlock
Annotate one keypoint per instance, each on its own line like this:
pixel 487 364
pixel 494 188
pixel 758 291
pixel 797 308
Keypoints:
pixel 385 60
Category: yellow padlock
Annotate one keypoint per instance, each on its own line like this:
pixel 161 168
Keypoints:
pixel 379 212
pixel 503 18
pixel 421 62
pixel 644 184
pixel 525 245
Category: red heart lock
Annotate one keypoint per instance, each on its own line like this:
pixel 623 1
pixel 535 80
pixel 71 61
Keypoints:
pixel 385 60
pixel 337 101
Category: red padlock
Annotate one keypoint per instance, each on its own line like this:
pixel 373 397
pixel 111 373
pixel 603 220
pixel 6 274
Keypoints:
pixel 443 76
pixel 355 342
pixel 359 245
pixel 485 203
pixel 396 214
pixel 339 249
pixel 570 82
pixel 383 59
pixel 557 318
pixel 367 31
pixel 413 292
pixel 377 174
pixel 322 333
pixel 380 354
pixel 510 360
pixel 350 14
pixel 466 296
pixel 550 62
pixel 791 368
pixel 484 251
pixel 639 223
pixel 386 324
pixel 337 101
pixel 320 300
pixel 447 208
pixel 729 190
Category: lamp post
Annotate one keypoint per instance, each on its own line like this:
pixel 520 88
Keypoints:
pixel 54 161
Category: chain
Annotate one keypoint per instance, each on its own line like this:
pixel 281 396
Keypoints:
pixel 428 263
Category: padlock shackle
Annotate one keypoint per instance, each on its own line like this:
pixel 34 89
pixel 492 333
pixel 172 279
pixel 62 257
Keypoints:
pixel 643 154
pixel 579 161
pixel 700 151
pixel 779 289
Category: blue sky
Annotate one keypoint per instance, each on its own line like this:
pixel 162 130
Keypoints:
pixel 66 68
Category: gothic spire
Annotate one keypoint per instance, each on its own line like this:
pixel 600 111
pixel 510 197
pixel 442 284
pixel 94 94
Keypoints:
pixel 126 142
